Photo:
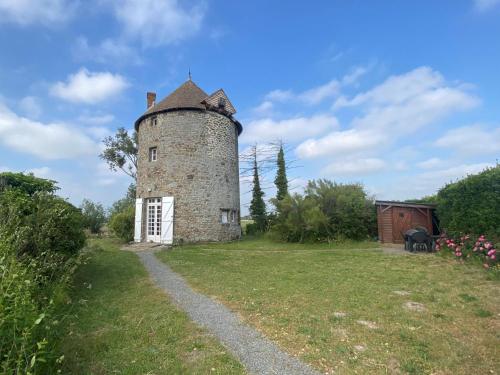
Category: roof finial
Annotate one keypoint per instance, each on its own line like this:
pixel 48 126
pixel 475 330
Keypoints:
pixel 189 74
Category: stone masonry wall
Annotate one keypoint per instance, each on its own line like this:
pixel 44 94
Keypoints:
pixel 197 164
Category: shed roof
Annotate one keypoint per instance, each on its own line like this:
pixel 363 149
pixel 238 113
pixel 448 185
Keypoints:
pixel 405 204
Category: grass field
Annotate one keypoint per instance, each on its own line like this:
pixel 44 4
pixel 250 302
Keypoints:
pixel 122 324
pixel 353 309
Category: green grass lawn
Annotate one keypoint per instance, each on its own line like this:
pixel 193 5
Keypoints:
pixel 297 295
pixel 122 324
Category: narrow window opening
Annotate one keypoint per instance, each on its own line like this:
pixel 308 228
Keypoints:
pixel 153 153
pixel 224 216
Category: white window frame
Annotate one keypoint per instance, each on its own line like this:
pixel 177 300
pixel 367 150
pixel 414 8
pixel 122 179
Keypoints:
pixel 153 154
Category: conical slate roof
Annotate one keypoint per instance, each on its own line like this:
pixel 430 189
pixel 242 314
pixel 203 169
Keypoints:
pixel 190 96
pixel 187 95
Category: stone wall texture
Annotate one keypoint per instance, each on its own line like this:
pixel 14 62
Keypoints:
pixel 197 164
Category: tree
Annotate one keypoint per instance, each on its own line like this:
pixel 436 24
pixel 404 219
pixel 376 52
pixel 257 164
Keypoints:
pixel 26 183
pixel 124 203
pixel 257 205
pixel 281 181
pixel 121 152
pixel 94 216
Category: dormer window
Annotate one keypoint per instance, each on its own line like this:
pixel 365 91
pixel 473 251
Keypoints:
pixel 222 102
pixel 153 153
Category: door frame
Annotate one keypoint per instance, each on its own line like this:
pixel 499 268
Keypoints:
pixel 153 219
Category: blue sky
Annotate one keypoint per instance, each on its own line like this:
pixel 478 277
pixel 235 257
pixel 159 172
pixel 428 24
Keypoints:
pixel 401 96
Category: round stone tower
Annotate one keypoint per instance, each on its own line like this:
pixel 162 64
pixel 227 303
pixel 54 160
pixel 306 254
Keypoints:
pixel 187 168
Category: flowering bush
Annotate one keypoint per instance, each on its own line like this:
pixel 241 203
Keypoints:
pixel 465 247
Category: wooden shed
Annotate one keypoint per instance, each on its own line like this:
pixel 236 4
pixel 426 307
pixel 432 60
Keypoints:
pixel 395 218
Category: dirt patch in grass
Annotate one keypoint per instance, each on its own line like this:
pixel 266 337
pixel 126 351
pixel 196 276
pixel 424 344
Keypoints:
pixel 291 294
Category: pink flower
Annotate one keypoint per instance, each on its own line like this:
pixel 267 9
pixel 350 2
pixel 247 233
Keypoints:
pixel 487 245
pixel 478 243
pixel 474 249
pixel 458 249
pixel 486 265
pixel 481 248
pixel 491 252
pixel 458 254
pixel 493 257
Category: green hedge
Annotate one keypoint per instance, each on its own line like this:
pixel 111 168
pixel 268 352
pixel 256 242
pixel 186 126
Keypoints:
pixel 40 237
pixel 472 205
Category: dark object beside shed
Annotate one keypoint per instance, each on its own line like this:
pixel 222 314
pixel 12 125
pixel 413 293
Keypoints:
pixel 395 218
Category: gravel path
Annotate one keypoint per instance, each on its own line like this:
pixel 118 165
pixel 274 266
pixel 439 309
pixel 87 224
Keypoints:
pixel 258 354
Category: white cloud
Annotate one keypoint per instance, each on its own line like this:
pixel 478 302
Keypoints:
pixel 97 119
pixel 471 140
pixel 158 22
pixel 279 95
pixel 108 50
pixel 30 106
pixel 354 75
pixel 88 87
pixel 484 5
pixel 353 167
pixel 47 141
pixel 289 130
pixel 265 108
pixel 318 94
pixel 43 172
pixel 341 142
pixel 401 88
pixel 399 106
pixel 45 12
pixel 431 163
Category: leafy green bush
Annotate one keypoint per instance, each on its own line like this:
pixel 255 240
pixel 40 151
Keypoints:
pixel 472 205
pixel 40 236
pixel 122 224
pixel 40 223
pixel 94 216
pixel 326 212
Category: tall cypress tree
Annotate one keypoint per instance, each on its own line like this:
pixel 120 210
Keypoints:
pixel 257 205
pixel 281 181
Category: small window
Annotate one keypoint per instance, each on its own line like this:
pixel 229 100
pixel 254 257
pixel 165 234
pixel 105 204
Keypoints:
pixel 222 102
pixel 224 216
pixel 153 153
pixel 234 214
pixel 154 121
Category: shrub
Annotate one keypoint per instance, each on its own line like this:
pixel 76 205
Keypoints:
pixel 465 248
pixel 94 216
pixel 39 224
pixel 471 205
pixel 327 212
pixel 122 224
pixel 40 235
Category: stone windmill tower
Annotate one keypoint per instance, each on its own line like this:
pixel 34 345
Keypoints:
pixel 187 172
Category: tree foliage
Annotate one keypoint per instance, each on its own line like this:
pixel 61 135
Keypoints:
pixel 121 152
pixel 281 180
pixel 257 205
pixel 40 235
pixel 472 205
pixel 26 183
pixel 94 216
pixel 326 212
pixel 122 223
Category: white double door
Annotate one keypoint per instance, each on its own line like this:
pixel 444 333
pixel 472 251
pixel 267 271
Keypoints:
pixel 159 220
pixel 153 220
